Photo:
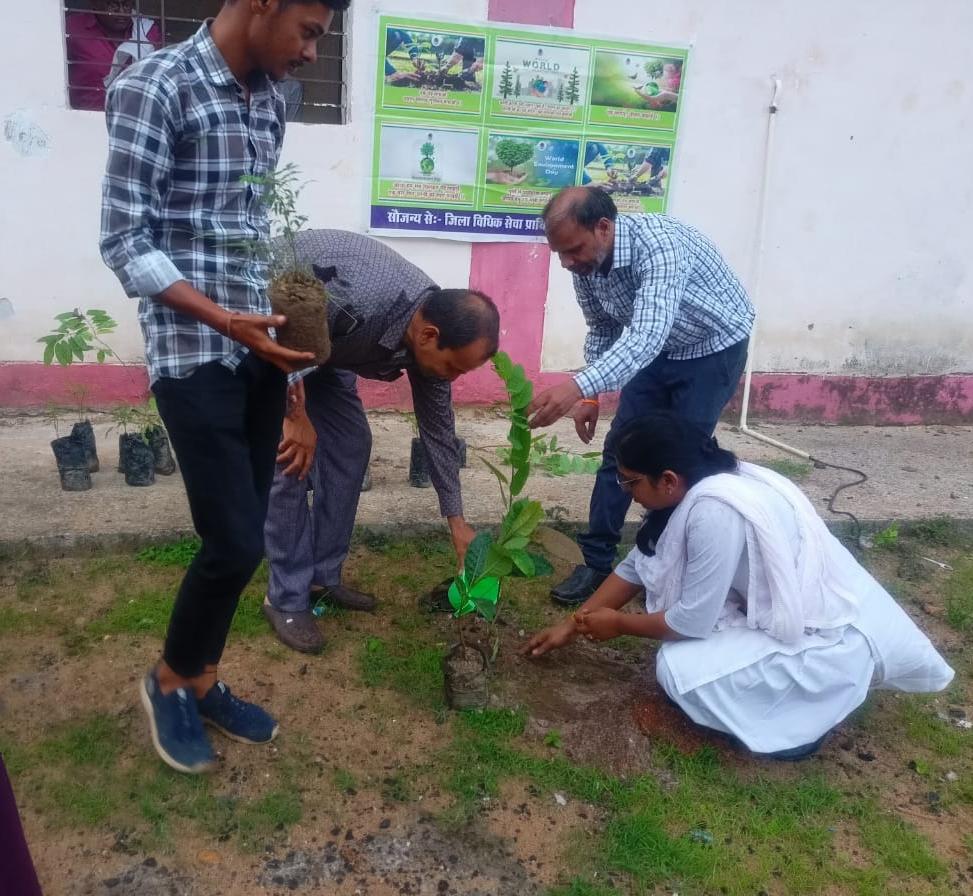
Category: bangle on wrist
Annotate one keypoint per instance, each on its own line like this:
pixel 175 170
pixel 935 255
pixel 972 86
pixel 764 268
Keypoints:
pixel 593 401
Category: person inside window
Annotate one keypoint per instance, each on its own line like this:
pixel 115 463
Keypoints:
pixel 101 45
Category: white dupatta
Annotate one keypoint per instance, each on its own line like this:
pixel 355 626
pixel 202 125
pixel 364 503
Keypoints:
pixel 786 594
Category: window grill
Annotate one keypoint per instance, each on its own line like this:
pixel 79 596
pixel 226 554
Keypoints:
pixel 97 49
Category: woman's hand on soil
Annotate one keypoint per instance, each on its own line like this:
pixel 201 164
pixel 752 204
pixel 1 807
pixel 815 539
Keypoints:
pixel 296 448
pixel 551 639
pixel 251 330
pixel 600 624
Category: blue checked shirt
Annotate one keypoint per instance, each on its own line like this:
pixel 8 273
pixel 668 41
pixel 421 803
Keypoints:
pixel 668 290
pixel 181 133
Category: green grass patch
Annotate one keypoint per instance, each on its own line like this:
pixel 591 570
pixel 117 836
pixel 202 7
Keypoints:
pixel 401 664
pixel 959 597
pixel 899 847
pixel 14 621
pixel 792 469
pixel 924 728
pixel 176 553
pixel 709 830
pixel 940 531
pixel 344 780
pixel 147 612
pixel 96 741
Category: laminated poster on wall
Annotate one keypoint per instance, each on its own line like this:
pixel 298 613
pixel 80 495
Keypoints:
pixel 478 125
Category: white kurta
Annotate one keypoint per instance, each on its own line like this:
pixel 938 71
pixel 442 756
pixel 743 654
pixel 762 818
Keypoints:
pixel 729 673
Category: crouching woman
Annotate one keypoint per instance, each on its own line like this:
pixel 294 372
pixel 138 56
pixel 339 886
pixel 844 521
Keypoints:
pixel 771 631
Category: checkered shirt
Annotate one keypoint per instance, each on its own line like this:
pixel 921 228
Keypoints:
pixel 181 133
pixel 373 295
pixel 668 290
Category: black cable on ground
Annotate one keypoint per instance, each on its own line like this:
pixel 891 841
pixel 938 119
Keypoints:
pixel 862 478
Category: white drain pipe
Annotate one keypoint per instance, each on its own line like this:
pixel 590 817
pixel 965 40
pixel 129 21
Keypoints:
pixel 756 270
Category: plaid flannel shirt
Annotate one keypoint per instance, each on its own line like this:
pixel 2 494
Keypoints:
pixel 668 290
pixel 181 133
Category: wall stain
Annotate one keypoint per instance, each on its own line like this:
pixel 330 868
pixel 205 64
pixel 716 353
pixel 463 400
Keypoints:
pixel 27 137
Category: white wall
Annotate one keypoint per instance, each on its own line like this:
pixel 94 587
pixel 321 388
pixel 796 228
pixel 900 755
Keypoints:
pixel 52 158
pixel 867 266
pixel 868 224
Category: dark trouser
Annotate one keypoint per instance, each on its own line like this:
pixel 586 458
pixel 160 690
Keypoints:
pixel 305 546
pixel 225 428
pixel 16 868
pixel 698 390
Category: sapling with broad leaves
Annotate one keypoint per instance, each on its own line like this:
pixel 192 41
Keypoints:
pixel 491 558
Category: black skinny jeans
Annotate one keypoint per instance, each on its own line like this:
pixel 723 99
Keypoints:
pixel 225 427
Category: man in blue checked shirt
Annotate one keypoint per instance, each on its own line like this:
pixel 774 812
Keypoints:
pixel 668 325
pixel 184 125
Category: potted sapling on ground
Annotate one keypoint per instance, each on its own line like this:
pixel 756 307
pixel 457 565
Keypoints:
pixel 77 334
pixel 418 459
pixel 135 457
pixel 155 436
pixel 491 558
pixel 294 290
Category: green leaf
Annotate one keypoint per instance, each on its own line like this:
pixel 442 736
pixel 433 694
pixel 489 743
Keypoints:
pixel 487 589
pixel 49 353
pixel 101 356
pixel 519 480
pixel 459 598
pixel 62 351
pixel 486 609
pixel 519 440
pixel 553 443
pixel 517 543
pixel 542 566
pixel 520 521
pixel 476 556
pixel 523 561
pixel 498 562
pixel 502 365
pixel 521 398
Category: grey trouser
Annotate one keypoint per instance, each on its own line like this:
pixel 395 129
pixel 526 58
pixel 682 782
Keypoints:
pixel 308 545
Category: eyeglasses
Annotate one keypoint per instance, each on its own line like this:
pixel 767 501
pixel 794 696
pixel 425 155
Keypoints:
pixel 626 484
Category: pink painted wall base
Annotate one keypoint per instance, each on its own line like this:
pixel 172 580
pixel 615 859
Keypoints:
pixel 785 397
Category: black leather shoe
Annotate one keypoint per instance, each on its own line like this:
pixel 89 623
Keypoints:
pixel 578 586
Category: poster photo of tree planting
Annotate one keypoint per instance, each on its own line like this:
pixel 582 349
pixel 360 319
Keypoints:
pixel 477 124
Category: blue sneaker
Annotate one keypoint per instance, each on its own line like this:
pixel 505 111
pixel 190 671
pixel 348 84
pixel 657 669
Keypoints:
pixel 177 731
pixel 237 719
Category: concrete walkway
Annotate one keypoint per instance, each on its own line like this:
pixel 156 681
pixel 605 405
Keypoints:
pixel 913 472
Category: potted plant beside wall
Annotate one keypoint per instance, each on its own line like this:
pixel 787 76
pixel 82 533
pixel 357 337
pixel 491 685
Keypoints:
pixel 77 334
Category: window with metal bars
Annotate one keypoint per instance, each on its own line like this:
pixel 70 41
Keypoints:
pixel 103 37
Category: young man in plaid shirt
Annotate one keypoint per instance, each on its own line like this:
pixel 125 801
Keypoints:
pixel 668 325
pixel 184 126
